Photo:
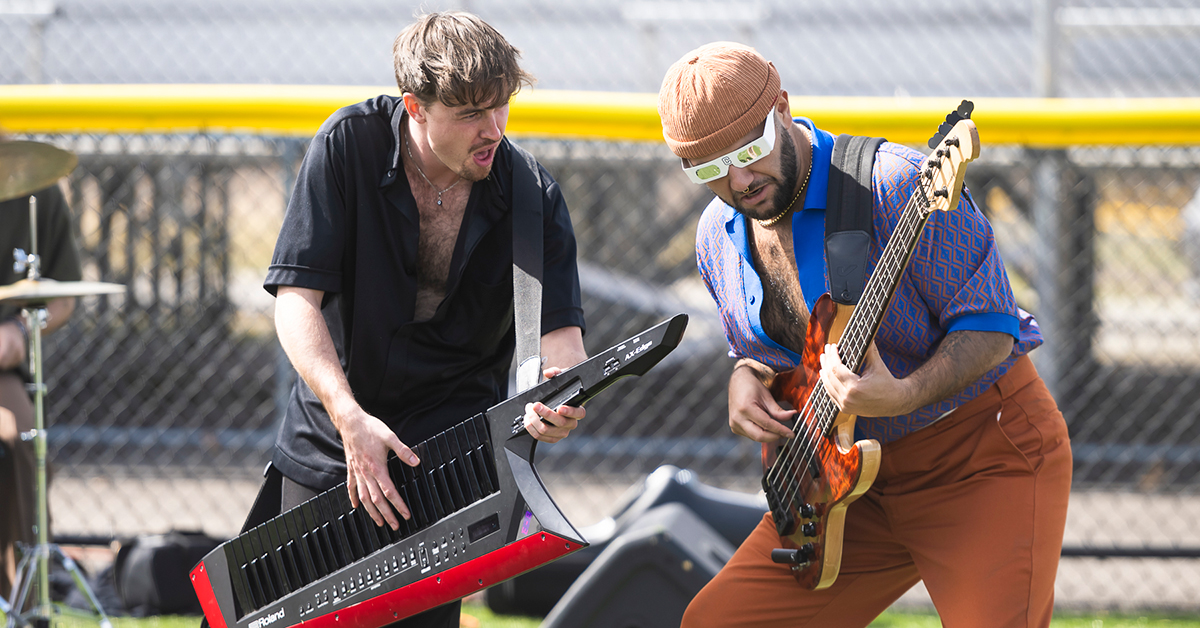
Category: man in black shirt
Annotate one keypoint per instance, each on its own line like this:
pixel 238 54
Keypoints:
pixel 393 272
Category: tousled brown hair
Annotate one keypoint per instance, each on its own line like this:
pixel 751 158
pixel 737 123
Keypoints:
pixel 457 59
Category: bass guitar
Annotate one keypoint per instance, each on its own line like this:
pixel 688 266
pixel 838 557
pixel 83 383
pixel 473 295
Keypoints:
pixel 811 478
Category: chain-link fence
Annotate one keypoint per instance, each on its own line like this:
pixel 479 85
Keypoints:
pixel 163 401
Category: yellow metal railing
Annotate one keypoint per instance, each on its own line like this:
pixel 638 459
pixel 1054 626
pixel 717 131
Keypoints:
pixel 299 110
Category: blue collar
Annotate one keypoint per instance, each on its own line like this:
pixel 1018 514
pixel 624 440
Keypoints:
pixel 808 238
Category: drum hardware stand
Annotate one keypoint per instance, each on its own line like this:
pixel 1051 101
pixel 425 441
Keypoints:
pixel 35 563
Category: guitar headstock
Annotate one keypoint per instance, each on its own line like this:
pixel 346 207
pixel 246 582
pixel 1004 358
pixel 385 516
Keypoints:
pixel 955 144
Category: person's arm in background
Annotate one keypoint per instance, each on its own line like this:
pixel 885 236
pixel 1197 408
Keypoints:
pixel 15 333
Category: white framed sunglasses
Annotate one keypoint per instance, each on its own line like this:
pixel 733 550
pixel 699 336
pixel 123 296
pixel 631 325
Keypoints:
pixel 742 157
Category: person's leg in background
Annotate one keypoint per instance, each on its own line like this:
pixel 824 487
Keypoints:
pixel 18 495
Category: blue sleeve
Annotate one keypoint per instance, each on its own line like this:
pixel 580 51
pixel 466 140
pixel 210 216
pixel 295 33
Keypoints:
pixel 1002 323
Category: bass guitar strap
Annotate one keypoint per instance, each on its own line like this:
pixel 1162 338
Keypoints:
pixel 848 226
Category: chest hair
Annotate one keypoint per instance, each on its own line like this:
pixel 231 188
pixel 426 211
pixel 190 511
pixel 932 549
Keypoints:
pixel 440 225
pixel 784 313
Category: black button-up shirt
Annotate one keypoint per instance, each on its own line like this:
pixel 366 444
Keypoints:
pixel 351 230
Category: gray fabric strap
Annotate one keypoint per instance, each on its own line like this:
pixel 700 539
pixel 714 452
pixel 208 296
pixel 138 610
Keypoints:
pixel 527 268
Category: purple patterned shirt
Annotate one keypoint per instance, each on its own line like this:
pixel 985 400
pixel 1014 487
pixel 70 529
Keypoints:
pixel 954 282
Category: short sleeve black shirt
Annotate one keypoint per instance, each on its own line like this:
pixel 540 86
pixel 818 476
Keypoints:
pixel 351 231
pixel 56 244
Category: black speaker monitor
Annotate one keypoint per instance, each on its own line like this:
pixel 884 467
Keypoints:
pixel 646 577
pixel 732 514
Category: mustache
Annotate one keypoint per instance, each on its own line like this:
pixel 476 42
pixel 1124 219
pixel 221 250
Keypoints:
pixel 475 149
pixel 754 187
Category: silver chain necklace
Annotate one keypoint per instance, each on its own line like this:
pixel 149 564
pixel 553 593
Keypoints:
pixel 408 148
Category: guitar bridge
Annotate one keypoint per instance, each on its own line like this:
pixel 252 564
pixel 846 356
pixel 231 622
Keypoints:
pixel 785 523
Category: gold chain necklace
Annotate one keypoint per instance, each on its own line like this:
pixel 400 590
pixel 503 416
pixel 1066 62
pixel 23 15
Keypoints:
pixel 420 172
pixel 811 155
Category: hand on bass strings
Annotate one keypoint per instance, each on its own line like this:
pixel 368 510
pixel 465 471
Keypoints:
pixel 753 412
pixel 876 392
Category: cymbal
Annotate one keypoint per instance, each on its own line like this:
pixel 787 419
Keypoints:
pixel 26 167
pixel 30 292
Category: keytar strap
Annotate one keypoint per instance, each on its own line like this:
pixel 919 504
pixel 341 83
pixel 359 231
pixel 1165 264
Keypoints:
pixel 527 268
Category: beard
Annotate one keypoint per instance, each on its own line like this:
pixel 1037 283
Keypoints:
pixel 472 171
pixel 785 185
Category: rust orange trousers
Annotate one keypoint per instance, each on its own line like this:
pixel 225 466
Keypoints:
pixel 974 505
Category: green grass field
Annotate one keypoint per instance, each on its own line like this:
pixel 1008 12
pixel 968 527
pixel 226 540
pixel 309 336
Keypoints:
pixel 892 619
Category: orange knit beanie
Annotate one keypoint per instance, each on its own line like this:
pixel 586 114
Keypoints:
pixel 713 96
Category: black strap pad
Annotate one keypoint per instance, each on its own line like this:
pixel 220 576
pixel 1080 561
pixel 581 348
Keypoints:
pixel 848 226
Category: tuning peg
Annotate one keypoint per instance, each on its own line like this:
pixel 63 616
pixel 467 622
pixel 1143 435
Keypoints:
pixel 963 112
pixel 943 129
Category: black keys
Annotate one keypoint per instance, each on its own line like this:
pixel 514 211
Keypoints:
pixel 273 542
pixel 240 582
pixel 407 526
pixel 319 557
pixel 331 532
pixel 461 446
pixel 296 550
pixel 480 460
pixel 337 504
pixel 311 542
pixel 427 497
pixel 482 457
pixel 262 580
pixel 349 529
pixel 250 575
pixel 449 471
pixel 416 502
pixel 437 475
